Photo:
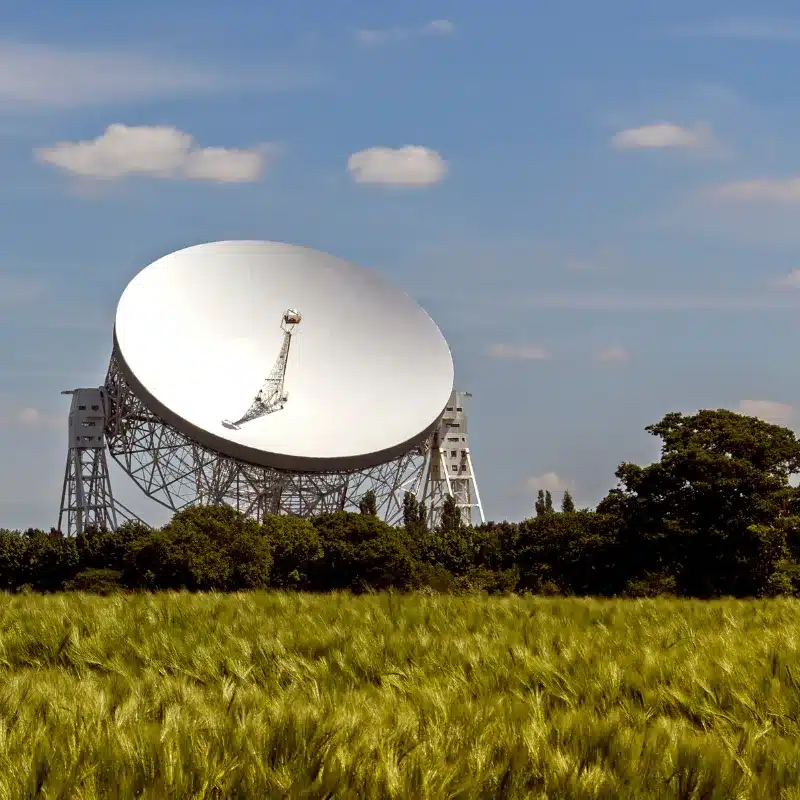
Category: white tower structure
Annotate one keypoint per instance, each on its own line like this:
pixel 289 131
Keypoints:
pixel 86 498
pixel 450 470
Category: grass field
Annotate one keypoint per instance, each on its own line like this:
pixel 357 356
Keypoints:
pixel 279 695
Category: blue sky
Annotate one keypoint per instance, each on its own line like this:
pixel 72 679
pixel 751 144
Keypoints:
pixel 603 221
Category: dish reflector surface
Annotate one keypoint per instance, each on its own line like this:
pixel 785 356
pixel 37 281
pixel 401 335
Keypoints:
pixel 368 372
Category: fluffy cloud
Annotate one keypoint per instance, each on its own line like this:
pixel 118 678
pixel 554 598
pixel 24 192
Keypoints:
pixel 373 37
pixel 403 166
pixel 549 482
pixel 767 410
pixel 662 135
pixel 782 191
pixel 158 152
pixel 519 352
pixel 613 354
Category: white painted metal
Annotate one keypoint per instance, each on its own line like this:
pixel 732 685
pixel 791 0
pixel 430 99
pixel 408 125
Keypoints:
pixel 193 334
pixel 272 396
pixel 86 497
pixel 196 330
pixel 449 468
pixel 177 471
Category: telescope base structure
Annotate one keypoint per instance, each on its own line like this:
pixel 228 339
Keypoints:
pixel 178 472
pixel 86 497
pixel 449 468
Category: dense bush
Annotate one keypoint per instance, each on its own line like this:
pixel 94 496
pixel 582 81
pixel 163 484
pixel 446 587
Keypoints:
pixel 715 516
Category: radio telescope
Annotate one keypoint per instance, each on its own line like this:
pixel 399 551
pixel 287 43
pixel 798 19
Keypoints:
pixel 356 392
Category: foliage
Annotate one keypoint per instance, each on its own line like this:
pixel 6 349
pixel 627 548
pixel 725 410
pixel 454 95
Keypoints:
pixel 369 503
pixel 96 581
pixel 713 510
pixel 296 548
pixel 450 520
pixel 361 551
pixel 715 516
pixel 202 548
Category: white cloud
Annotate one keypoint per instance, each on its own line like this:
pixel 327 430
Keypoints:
pixel 548 482
pixel 613 354
pixel 780 191
pixel 438 27
pixel 790 281
pixel 767 410
pixel 519 352
pixel 763 29
pixel 373 37
pixel 412 165
pixel 30 418
pixel 662 135
pixel 158 152
pixel 654 301
pixel 43 76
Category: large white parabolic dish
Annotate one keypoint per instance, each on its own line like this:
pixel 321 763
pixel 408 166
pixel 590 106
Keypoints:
pixel 368 375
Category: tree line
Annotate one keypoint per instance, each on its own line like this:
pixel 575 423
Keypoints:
pixel 717 515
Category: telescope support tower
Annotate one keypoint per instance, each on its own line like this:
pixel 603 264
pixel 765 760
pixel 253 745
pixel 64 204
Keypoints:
pixel 86 497
pixel 449 467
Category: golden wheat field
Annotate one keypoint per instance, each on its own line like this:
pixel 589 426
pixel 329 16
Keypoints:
pixel 386 696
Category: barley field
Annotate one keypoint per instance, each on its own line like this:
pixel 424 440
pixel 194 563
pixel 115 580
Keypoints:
pixel 386 696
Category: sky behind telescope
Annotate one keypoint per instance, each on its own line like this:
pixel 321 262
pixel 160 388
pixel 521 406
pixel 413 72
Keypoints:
pixel 597 203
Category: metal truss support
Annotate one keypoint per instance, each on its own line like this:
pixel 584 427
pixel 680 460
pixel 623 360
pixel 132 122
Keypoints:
pixel 86 497
pixel 177 472
pixel 448 469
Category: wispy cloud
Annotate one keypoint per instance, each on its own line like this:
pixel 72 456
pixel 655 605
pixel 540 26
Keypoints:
pixel 654 301
pixel 16 290
pixel 374 37
pixel 663 136
pixel 767 410
pixel 763 29
pixel 783 191
pixel 29 418
pixel 549 482
pixel 613 355
pixel 46 76
pixel 519 352
pixel 790 281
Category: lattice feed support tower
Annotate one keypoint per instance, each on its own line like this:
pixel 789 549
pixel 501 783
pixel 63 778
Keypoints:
pixel 449 467
pixel 86 497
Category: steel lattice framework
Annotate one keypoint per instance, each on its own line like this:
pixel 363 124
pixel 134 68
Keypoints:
pixel 178 472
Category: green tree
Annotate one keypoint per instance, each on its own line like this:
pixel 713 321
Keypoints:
pixel 548 502
pixel 414 513
pixel 567 503
pixel 450 520
pixel 202 548
pixel 540 506
pixel 714 511
pixel 296 549
pixel 369 504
